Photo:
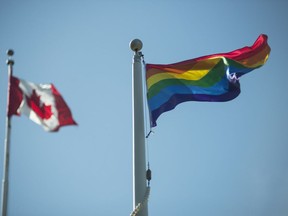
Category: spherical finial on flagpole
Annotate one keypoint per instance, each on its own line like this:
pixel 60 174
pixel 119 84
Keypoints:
pixel 136 45
pixel 10 53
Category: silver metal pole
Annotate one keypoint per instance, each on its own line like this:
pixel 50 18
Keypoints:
pixel 139 158
pixel 4 200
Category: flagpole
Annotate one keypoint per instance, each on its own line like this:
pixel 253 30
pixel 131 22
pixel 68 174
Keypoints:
pixel 4 200
pixel 138 134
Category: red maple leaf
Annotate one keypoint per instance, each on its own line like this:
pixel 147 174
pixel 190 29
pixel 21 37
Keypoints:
pixel 39 108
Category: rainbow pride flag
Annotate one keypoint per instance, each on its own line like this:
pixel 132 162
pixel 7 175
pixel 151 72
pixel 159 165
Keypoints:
pixel 213 78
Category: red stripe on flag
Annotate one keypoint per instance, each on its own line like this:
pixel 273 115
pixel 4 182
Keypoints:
pixel 64 113
pixel 15 96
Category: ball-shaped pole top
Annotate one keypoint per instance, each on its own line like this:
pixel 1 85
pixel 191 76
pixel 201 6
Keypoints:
pixel 136 45
pixel 10 52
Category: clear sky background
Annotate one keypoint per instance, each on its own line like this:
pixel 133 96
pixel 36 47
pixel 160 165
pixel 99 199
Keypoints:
pixel 218 159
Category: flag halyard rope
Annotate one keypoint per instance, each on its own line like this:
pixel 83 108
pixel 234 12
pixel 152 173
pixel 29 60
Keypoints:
pixel 143 203
pixel 145 100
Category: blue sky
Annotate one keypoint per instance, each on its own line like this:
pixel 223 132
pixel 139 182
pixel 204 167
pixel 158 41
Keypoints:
pixel 206 158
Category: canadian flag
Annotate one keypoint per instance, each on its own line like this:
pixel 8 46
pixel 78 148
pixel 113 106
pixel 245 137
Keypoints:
pixel 42 103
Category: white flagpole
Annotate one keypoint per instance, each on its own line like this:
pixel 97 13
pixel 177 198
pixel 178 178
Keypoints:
pixel 139 158
pixel 4 200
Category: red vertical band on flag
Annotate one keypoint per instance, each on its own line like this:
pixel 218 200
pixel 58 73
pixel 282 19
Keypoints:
pixel 15 96
pixel 64 113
